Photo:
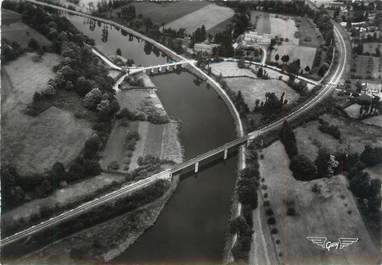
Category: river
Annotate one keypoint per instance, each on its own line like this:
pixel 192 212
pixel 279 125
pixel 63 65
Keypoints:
pixel 193 225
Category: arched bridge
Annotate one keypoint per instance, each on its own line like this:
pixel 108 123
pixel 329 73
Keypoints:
pixel 171 66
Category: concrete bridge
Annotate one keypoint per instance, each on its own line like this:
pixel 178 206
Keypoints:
pixel 158 68
pixel 172 66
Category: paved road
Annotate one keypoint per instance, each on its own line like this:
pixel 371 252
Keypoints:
pixel 122 192
pixel 328 88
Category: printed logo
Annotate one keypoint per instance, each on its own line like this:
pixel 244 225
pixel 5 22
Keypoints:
pixel 323 242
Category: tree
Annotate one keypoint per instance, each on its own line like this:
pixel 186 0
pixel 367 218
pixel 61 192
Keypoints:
pixel 239 225
pixel 277 57
pixel 323 69
pixel 371 156
pixel 33 44
pixel 377 52
pixel 303 168
pixel 92 146
pixel 83 86
pixel 119 52
pixel 260 72
pixel 92 98
pixel 294 67
pixel 57 173
pixel 247 192
pixel 91 167
pixel 322 162
pixel 285 58
pixel 288 139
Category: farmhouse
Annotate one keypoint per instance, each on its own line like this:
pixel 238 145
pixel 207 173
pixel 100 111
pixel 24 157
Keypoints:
pixel 205 48
pixel 251 38
pixel 372 88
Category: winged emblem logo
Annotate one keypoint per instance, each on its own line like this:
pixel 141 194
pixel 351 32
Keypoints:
pixel 323 242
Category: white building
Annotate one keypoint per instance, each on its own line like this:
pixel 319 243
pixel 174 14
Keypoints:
pixel 205 48
pixel 250 38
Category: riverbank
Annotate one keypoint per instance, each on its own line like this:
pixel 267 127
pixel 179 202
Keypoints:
pixel 103 242
pixel 113 237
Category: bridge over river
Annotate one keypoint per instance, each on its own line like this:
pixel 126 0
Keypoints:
pixel 193 164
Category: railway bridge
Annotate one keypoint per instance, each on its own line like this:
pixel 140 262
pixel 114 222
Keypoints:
pixel 332 80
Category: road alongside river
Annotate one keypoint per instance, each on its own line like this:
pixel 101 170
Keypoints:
pixel 193 225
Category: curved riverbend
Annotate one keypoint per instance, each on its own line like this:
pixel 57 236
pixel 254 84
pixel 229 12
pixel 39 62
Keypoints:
pixel 193 225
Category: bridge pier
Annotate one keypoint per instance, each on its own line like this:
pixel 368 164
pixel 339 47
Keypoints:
pixel 196 170
pixel 248 142
pixel 168 68
pixel 225 153
pixel 160 69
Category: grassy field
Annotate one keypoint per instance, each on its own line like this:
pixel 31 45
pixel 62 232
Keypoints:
pixel 165 12
pixel 115 149
pixel 23 77
pixel 22 34
pixel 222 26
pixel 9 16
pixel 354 136
pixel 209 16
pixel 262 21
pixel 305 54
pixel 308 34
pixel 376 120
pixel 256 89
pixel 160 140
pixel 61 198
pixel 104 241
pixel 34 144
pixel 353 110
pixel 331 212
pixel 367 67
pixel 230 69
pixel 144 101
pixel 276 25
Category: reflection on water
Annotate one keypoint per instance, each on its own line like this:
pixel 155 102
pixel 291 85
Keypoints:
pixel 109 38
pixel 193 225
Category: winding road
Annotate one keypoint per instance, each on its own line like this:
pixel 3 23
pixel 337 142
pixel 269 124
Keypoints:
pixel 333 78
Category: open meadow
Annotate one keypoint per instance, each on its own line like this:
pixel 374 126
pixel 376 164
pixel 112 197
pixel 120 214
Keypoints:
pixel 141 100
pixel 165 12
pixel 275 25
pixel 209 16
pixel 308 33
pixel 159 140
pixel 367 67
pixel 354 136
pixel 34 144
pixel 353 110
pixel 23 77
pixel 22 34
pixel 330 211
pixel 230 69
pixel 61 199
pixel 9 16
pixel 253 90
pixel 376 120
pixel 306 55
